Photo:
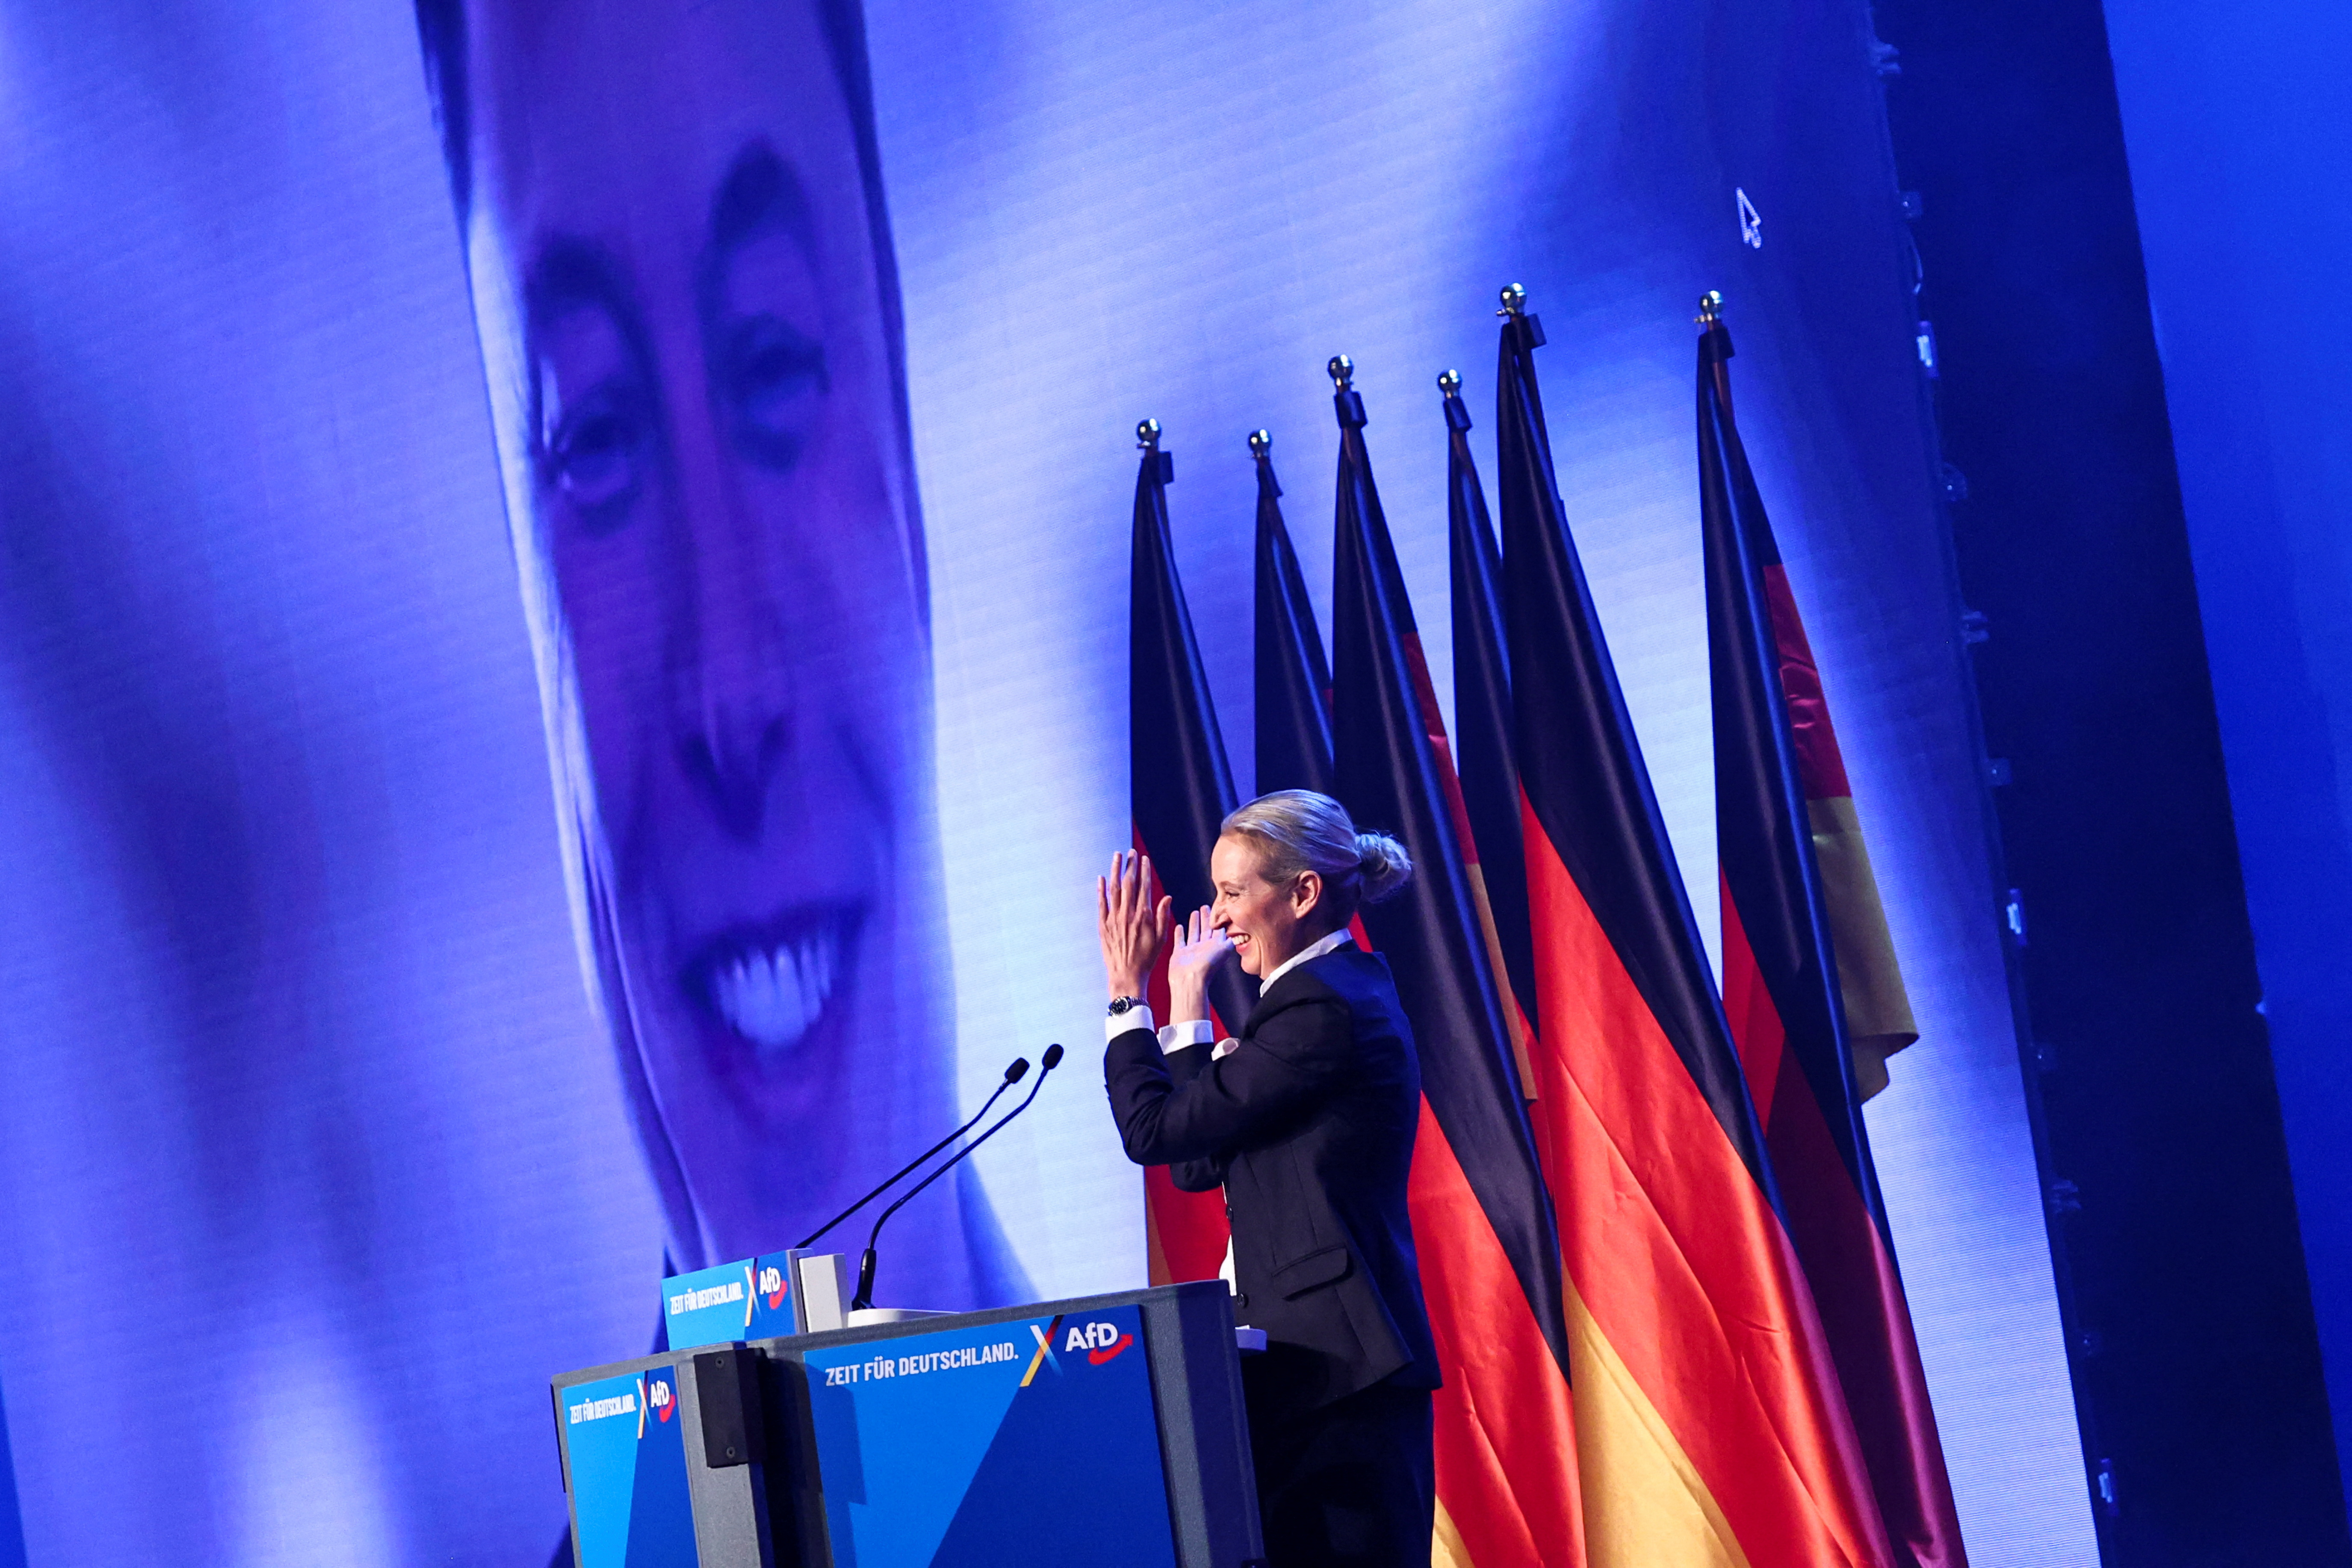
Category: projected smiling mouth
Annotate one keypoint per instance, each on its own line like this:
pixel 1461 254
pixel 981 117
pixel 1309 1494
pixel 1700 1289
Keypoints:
pixel 772 988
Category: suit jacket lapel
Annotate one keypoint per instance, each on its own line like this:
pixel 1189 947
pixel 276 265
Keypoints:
pixel 1276 996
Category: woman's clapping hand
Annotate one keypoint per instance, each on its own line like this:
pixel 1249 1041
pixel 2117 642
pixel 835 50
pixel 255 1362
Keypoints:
pixel 1133 926
pixel 1200 948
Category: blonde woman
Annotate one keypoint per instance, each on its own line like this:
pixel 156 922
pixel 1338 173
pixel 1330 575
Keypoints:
pixel 1307 1120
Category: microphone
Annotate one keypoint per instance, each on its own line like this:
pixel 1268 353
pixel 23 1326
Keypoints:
pixel 1013 1075
pixel 865 1297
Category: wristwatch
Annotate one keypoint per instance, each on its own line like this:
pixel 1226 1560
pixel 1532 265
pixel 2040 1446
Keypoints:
pixel 1120 1006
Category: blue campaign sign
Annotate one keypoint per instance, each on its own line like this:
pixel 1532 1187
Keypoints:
pixel 623 1441
pixel 747 1300
pixel 709 1306
pixel 1033 1442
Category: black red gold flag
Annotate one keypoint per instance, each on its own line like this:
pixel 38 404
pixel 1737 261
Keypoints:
pixel 1706 1408
pixel 1507 1477
pixel 1179 790
pixel 1781 994
pixel 1878 1019
pixel 1481 718
pixel 1294 680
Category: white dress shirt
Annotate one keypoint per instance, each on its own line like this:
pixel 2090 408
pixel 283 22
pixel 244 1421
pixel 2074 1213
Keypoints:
pixel 1174 1038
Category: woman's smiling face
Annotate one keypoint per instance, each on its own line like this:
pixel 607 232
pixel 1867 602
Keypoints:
pixel 1266 921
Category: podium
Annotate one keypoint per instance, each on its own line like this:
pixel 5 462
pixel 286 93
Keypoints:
pixel 1100 1429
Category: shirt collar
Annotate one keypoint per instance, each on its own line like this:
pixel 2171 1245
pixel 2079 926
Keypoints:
pixel 1331 943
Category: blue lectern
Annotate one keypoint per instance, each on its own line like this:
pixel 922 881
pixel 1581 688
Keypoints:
pixel 1058 1435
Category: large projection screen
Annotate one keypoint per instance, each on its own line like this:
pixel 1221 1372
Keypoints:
pixel 339 858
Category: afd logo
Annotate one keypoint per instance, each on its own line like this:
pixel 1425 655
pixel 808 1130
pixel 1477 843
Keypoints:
pixel 772 1286
pixel 661 1395
pixel 1101 1342
pixel 1044 1356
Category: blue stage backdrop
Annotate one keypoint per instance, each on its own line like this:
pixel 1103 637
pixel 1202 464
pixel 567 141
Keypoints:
pixel 2225 111
pixel 561 672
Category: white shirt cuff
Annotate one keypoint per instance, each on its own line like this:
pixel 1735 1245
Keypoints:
pixel 1136 1018
pixel 1180 1037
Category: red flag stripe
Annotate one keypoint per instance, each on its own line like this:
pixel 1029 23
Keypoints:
pixel 1820 765
pixel 1761 1040
pixel 1856 1288
pixel 1506 1460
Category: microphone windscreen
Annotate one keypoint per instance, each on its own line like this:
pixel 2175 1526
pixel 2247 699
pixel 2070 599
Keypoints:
pixel 1053 1058
pixel 1018 1070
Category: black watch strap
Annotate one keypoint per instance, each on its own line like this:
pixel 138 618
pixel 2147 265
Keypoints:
pixel 1120 1006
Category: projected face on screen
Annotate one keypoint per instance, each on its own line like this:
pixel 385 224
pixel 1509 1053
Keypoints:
pixel 682 300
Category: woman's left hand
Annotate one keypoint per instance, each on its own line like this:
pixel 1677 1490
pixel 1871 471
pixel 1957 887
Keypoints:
pixel 1200 948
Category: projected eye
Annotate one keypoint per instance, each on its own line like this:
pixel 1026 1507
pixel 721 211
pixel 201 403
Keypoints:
pixel 772 377
pixel 597 455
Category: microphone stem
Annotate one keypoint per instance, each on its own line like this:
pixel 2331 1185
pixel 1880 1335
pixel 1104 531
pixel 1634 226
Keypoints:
pixel 865 1299
pixel 898 1174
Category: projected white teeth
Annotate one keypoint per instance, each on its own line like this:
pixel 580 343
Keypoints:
pixel 774 998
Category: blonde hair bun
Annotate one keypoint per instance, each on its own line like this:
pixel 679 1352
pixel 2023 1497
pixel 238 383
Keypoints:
pixel 1297 830
pixel 1383 864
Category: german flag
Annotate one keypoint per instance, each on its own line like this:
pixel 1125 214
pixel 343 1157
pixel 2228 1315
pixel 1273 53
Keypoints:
pixel 1780 986
pixel 1481 712
pixel 1708 1412
pixel 1179 790
pixel 1294 680
pixel 1878 1019
pixel 1507 1477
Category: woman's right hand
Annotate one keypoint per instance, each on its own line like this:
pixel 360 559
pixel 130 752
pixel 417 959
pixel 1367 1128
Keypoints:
pixel 1199 948
pixel 1132 924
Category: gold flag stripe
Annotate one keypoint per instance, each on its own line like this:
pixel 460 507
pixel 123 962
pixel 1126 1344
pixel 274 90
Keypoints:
pixel 1645 1503
pixel 1515 1021
pixel 1878 1008
pixel 1446 1548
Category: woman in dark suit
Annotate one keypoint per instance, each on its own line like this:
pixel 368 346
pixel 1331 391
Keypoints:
pixel 1307 1120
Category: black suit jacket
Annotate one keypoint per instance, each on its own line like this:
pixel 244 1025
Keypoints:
pixel 1309 1127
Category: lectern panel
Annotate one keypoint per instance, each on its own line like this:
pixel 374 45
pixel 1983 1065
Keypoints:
pixel 1034 1440
pixel 624 1440
pixel 644 1450
pixel 1128 1444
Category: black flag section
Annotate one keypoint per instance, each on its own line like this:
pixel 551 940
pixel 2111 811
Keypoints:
pixel 1294 682
pixel 1180 785
pixel 1482 702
